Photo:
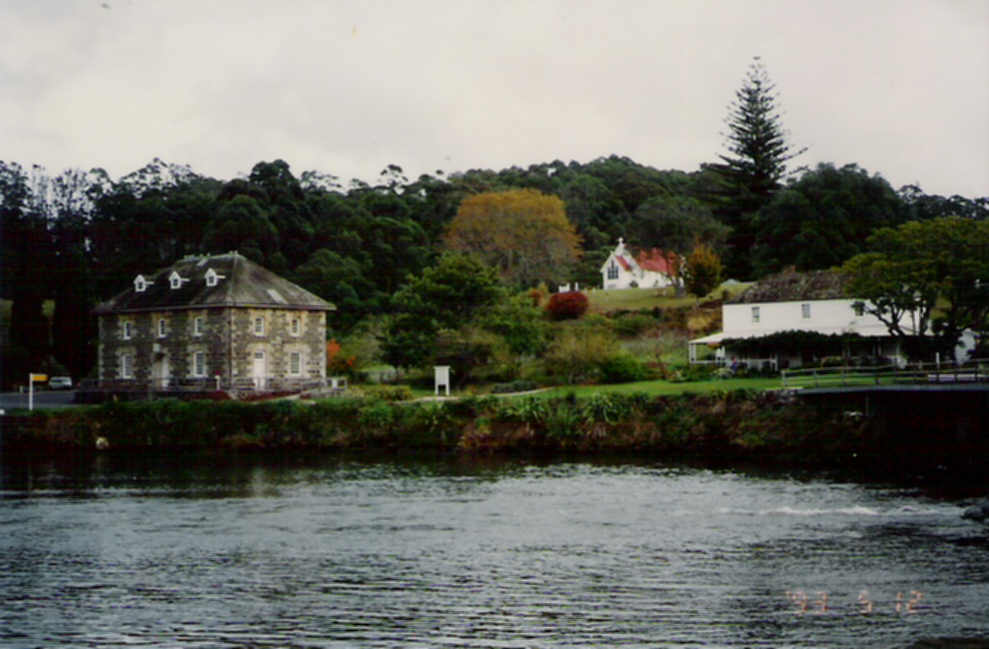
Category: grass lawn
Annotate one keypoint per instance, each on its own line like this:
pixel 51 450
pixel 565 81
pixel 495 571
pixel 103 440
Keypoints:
pixel 637 299
pixel 656 388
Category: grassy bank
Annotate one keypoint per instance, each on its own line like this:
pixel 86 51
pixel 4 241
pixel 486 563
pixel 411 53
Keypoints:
pixel 745 424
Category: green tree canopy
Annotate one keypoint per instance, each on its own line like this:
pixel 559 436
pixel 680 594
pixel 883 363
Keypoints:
pixel 676 224
pixel 823 218
pixel 444 296
pixel 926 277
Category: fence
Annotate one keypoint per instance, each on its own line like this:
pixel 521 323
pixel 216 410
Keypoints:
pixel 973 371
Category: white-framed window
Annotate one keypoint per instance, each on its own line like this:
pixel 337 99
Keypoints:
pixel 295 327
pixel 259 326
pixel 858 308
pixel 805 311
pixel 199 364
pixel 162 327
pixel 295 363
pixel 197 326
pixel 613 270
pixel 175 280
pixel 140 284
pixel 755 314
pixel 127 366
pixel 211 277
pixel 128 330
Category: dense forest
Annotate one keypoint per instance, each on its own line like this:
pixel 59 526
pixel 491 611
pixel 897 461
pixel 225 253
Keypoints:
pixel 79 237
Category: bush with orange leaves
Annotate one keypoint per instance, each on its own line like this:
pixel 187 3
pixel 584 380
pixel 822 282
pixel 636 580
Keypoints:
pixel 337 363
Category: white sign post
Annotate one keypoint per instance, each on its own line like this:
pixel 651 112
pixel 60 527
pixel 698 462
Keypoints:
pixel 31 378
pixel 442 373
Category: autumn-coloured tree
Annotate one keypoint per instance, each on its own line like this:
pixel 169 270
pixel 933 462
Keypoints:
pixel 523 233
pixel 702 271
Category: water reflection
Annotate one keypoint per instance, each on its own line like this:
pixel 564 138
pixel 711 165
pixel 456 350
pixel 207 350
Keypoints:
pixel 334 551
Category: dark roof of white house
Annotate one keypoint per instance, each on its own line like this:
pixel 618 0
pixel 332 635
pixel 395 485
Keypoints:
pixel 239 283
pixel 790 286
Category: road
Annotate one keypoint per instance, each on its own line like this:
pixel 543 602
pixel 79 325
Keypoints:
pixel 46 399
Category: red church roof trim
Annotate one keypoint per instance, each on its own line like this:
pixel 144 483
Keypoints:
pixel 657 261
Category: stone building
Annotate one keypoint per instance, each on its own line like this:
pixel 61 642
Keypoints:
pixel 212 322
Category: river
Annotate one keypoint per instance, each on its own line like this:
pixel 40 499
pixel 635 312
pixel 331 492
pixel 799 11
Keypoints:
pixel 334 552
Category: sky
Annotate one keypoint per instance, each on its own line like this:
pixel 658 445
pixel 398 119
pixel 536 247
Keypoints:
pixel 900 88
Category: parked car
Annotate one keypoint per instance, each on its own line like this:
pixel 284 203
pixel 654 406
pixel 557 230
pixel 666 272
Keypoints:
pixel 60 383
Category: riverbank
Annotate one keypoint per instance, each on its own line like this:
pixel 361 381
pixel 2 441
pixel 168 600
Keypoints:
pixel 769 428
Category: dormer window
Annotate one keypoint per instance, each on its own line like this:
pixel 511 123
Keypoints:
pixel 212 278
pixel 175 280
pixel 141 284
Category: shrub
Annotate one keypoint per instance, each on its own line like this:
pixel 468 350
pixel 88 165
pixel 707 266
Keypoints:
pixel 567 306
pixel 577 355
pixel 684 373
pixel 623 368
pixel 632 324
pixel 607 408
pixel 376 417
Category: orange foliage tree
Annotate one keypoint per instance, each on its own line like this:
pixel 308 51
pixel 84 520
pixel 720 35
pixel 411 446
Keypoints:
pixel 336 363
pixel 523 233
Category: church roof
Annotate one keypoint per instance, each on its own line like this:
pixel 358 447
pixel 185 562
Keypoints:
pixel 657 261
pixel 236 282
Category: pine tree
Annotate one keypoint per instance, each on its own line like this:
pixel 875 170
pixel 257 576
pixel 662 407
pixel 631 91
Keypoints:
pixel 753 169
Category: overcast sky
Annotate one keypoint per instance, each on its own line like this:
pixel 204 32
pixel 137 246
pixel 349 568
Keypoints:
pixel 900 87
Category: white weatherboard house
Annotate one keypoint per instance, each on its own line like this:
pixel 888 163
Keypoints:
pixel 806 302
pixel 647 269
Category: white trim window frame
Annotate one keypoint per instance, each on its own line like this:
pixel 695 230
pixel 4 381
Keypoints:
pixel 199 364
pixel 755 314
pixel 197 325
pixel 805 310
pixel 127 330
pixel 162 327
pixel 295 363
pixel 259 326
pixel 126 365
pixel 295 326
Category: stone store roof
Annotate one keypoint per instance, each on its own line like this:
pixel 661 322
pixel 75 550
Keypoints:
pixel 789 286
pixel 212 281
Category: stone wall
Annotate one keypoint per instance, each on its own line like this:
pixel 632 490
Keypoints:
pixel 162 347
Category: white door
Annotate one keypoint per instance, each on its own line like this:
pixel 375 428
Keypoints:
pixel 258 370
pixel 160 372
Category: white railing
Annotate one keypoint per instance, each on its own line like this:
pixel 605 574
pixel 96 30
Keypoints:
pixel 974 371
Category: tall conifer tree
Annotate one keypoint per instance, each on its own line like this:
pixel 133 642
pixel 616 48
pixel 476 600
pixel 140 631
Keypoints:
pixel 755 165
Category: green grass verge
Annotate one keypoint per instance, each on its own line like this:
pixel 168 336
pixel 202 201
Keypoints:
pixel 637 299
pixel 655 388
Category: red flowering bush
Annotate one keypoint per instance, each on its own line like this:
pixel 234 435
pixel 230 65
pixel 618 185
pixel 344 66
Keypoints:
pixel 567 306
